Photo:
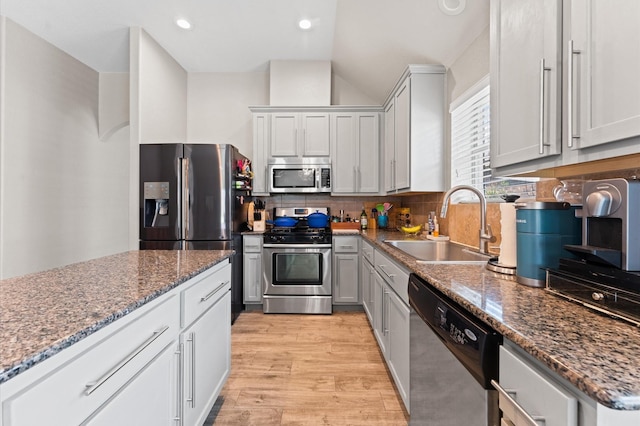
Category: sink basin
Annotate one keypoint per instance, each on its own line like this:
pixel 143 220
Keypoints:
pixel 428 251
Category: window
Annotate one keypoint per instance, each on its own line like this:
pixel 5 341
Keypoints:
pixel 470 148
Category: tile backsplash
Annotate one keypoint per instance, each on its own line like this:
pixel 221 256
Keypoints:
pixel 462 223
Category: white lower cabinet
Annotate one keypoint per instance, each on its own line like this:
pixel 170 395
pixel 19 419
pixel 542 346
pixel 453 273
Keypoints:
pixel 387 305
pixel 529 388
pixel 252 269
pixel 345 269
pixel 207 360
pixel 133 371
pixel 151 398
pixel 367 276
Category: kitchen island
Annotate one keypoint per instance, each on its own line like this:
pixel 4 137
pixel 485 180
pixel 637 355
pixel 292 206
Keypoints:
pixel 62 320
pixel 596 354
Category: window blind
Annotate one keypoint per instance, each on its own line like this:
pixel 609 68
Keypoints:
pixel 470 142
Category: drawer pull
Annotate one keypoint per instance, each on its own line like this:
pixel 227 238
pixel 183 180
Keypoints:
pixel 208 296
pixel 252 247
pixel 91 387
pixel 506 394
pixel 391 276
pixel 346 247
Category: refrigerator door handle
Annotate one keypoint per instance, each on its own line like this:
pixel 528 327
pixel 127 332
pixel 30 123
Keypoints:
pixel 178 224
pixel 184 223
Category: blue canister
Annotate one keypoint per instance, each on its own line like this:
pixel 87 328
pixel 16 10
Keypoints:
pixel 542 230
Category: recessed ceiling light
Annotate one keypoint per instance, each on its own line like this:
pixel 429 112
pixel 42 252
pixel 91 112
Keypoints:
pixel 305 24
pixel 183 23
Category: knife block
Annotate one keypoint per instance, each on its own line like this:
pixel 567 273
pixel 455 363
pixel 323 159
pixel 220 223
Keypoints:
pixel 259 221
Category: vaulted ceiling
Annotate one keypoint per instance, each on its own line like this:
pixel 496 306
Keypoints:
pixel 369 42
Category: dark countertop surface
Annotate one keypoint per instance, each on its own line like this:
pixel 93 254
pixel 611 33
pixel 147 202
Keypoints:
pixel 45 312
pixel 595 353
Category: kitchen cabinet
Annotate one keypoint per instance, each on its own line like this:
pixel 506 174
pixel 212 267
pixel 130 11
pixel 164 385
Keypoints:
pixel 536 390
pixel 69 387
pixel 414 131
pixel 526 80
pixel 596 100
pixel 252 269
pixel 155 389
pixel 207 354
pixel 133 370
pixel 259 161
pixel 355 152
pixel 367 274
pixel 295 134
pixel 345 270
pixel 391 320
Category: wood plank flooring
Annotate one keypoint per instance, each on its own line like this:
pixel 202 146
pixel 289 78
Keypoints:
pixel 306 370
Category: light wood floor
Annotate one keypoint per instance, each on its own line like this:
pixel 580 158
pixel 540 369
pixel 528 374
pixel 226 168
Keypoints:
pixel 306 370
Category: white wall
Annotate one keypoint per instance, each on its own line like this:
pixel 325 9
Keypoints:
pixel 218 107
pixel 64 194
pixel 470 67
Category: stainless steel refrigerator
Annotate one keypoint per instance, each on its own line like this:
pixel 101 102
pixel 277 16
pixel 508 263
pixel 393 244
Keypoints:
pixel 194 197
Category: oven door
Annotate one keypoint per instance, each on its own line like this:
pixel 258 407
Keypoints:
pixel 297 269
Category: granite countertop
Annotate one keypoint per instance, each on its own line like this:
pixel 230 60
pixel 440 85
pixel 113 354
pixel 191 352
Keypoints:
pixel 597 354
pixel 45 312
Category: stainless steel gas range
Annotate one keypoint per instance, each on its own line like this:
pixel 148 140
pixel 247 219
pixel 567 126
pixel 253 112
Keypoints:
pixel 297 264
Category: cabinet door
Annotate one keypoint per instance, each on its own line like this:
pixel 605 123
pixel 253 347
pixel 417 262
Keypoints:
pixel 284 134
pixel 367 274
pixel 150 399
pixel 343 141
pixel 345 278
pixel 368 146
pixel 252 272
pixel 526 58
pixel 389 147
pixel 606 65
pixel 261 129
pixel 398 360
pixel 379 310
pixel 207 360
pixel 402 128
pixel 315 135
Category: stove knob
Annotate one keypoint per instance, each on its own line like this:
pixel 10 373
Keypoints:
pixel 597 296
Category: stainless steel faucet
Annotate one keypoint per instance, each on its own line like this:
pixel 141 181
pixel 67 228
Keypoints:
pixel 485 234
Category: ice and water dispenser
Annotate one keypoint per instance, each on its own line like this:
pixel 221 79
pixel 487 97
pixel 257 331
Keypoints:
pixel 156 204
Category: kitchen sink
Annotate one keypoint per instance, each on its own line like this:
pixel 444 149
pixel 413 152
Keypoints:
pixel 429 251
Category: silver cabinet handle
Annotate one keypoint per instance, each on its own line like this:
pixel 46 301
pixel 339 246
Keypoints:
pixel 208 296
pixel 390 276
pixel 543 69
pixel 385 304
pixel 178 417
pixel 506 394
pixel 345 246
pixel 252 247
pixel 91 387
pixel 192 397
pixel 570 130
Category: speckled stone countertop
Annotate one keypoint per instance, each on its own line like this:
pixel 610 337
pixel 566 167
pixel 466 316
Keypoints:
pixel 45 312
pixel 597 354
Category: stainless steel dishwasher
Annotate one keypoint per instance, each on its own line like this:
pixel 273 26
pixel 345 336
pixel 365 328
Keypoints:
pixel 453 358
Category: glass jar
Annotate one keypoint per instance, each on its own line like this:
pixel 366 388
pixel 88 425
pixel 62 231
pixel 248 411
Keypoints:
pixel 569 191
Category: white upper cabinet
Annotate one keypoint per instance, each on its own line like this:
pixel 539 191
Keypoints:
pixel 296 134
pixel 355 146
pixel 414 131
pixel 261 131
pixel 605 64
pixel 526 73
pixel 599 44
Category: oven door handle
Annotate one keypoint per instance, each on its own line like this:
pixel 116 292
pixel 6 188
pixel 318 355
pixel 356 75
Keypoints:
pixel 298 246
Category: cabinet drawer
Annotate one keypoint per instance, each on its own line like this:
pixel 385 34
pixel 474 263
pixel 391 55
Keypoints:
pixel 367 251
pixel 395 276
pixel 203 294
pixel 536 394
pixel 72 392
pixel 345 244
pixel 252 244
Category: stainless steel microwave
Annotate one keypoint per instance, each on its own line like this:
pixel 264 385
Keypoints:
pixel 306 175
